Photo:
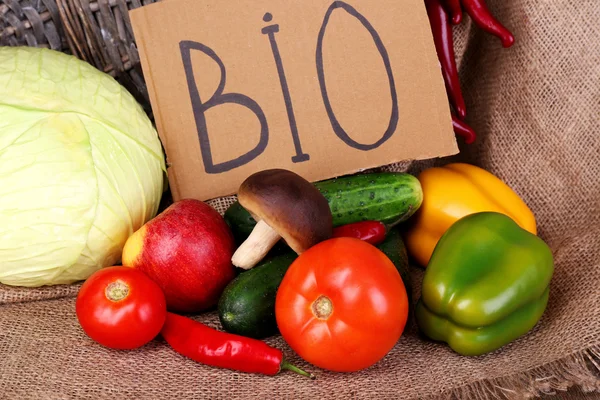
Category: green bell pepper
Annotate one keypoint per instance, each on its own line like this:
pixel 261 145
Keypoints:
pixel 487 284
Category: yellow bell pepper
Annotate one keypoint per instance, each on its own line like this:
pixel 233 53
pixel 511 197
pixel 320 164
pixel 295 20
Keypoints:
pixel 452 192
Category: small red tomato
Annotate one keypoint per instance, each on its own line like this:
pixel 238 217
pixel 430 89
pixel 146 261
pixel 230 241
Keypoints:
pixel 121 308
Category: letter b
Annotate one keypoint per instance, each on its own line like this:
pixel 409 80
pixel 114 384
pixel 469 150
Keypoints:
pixel 200 108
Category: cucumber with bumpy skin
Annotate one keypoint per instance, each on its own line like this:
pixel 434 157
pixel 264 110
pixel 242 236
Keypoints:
pixel 247 305
pixel 389 197
pixel 393 247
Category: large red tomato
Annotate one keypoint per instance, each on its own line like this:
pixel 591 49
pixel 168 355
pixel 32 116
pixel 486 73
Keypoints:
pixel 342 305
pixel 121 308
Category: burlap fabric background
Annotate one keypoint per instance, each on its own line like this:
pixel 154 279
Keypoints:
pixel 536 108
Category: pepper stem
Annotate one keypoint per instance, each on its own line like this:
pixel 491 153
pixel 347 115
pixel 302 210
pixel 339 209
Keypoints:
pixel 290 367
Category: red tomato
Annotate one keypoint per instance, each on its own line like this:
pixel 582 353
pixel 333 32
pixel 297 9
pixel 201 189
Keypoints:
pixel 121 308
pixel 342 305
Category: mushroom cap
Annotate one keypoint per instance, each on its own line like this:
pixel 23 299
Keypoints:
pixel 290 205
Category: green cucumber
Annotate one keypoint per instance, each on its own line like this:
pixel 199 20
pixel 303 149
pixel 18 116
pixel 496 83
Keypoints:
pixel 388 197
pixel 393 247
pixel 247 305
pixel 240 221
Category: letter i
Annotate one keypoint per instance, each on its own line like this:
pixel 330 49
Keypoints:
pixel 270 30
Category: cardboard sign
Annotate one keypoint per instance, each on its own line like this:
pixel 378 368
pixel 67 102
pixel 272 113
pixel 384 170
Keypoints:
pixel 320 87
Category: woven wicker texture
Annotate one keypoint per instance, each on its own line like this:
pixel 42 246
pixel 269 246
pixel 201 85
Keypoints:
pixel 536 108
pixel 98 32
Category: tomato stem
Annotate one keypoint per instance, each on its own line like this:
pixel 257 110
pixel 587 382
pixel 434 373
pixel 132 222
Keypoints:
pixel 290 367
pixel 322 307
pixel 117 291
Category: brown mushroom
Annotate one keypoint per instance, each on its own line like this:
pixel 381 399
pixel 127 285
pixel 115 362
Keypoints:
pixel 285 205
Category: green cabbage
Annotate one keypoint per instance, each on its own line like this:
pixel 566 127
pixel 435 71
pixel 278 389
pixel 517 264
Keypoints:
pixel 81 168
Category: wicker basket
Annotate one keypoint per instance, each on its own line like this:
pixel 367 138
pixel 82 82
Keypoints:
pixel 98 32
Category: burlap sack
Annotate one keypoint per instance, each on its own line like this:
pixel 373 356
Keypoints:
pixel 536 108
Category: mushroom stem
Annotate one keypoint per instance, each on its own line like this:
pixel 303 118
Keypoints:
pixel 256 246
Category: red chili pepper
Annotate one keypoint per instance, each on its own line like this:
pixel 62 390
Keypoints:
pixel 482 16
pixel 224 350
pixel 438 12
pixel 455 10
pixel 369 231
pixel 442 37
pixel 464 130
